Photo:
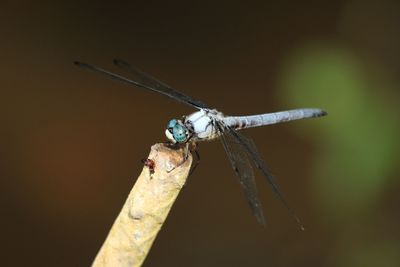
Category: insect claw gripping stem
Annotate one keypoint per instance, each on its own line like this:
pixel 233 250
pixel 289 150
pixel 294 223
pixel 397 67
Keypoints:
pixel 176 146
pixel 197 162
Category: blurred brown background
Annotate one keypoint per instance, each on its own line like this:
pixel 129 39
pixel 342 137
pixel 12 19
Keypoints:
pixel 72 141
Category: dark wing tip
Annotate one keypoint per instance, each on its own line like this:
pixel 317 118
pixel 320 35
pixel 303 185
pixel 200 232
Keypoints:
pixel 121 63
pixel 81 64
pixel 299 223
pixel 256 208
pixel 323 113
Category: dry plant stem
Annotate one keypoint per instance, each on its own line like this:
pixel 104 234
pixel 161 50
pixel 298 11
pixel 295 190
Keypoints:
pixel 145 209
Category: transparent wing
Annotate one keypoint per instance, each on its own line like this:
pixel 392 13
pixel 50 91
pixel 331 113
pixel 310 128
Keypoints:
pixel 241 165
pixel 252 152
pixel 144 80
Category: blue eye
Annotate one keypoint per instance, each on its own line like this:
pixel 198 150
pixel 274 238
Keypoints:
pixel 171 124
pixel 179 133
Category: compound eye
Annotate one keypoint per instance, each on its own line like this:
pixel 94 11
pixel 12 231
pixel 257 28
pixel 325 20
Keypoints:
pixel 179 133
pixel 171 124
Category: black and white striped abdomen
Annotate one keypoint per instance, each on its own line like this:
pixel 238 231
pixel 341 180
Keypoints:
pixel 242 122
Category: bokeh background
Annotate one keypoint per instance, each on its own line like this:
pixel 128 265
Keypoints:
pixel 72 141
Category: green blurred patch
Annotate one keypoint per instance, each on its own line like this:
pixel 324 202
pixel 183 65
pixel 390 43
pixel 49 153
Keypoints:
pixel 369 253
pixel 358 140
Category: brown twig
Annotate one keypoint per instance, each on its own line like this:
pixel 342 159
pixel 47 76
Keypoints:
pixel 145 209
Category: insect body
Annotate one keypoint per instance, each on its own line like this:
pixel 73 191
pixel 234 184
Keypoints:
pixel 208 124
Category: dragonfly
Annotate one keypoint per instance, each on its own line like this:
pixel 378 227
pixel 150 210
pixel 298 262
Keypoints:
pixel 208 124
